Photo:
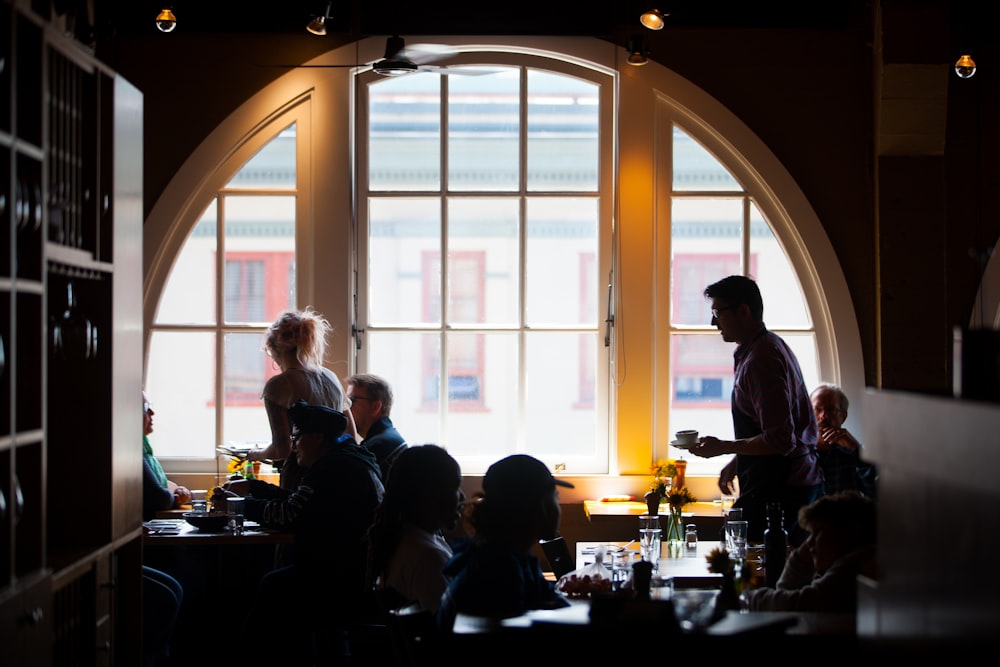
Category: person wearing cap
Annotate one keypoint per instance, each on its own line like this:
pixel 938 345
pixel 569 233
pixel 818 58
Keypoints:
pixel 497 575
pixel 329 513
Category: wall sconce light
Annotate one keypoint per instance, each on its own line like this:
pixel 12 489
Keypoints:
pixel 653 19
pixel 318 25
pixel 637 51
pixel 965 67
pixel 165 20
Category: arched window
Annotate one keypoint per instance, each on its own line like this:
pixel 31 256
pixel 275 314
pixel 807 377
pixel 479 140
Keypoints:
pixel 521 253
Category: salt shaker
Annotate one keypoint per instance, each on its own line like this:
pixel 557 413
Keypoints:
pixel 691 537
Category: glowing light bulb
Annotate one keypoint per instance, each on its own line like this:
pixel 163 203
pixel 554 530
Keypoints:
pixel 965 68
pixel 653 19
pixel 165 20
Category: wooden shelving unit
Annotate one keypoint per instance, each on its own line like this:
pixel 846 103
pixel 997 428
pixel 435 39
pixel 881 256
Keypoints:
pixel 70 349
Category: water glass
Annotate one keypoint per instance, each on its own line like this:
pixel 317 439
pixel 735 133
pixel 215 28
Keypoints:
pixel 650 538
pixel 234 505
pixel 736 540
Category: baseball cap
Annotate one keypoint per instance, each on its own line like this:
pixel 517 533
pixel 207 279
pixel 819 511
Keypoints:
pixel 317 419
pixel 519 477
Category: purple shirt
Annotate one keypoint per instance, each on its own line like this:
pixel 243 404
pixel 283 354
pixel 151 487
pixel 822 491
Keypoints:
pixel 770 390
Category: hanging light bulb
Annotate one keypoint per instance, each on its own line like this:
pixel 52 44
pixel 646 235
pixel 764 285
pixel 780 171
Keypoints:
pixel 653 19
pixel 637 51
pixel 965 68
pixel 165 20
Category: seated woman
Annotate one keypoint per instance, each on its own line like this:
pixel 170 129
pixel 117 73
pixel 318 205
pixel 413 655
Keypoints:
pixel 406 549
pixel 821 574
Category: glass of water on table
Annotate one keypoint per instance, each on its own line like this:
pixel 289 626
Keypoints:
pixel 650 538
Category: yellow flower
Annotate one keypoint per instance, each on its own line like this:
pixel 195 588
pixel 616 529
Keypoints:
pixel 678 498
pixel 664 473
pixel 235 465
pixel 718 561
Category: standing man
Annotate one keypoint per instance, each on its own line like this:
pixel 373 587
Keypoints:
pixel 773 419
pixel 370 397
pixel 839 451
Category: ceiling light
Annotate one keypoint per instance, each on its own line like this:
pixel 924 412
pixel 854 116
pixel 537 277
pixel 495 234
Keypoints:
pixel 965 68
pixel 165 20
pixel 637 51
pixel 318 25
pixel 653 19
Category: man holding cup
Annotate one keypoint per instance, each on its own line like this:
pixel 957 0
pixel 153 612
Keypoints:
pixel 775 446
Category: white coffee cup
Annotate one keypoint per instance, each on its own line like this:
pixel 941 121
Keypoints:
pixel 687 437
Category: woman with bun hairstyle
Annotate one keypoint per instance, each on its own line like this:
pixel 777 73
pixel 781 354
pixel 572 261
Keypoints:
pixel 296 341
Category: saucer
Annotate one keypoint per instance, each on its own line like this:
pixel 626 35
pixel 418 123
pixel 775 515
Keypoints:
pixel 683 445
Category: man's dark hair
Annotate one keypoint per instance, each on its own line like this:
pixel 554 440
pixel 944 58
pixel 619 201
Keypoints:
pixel 736 291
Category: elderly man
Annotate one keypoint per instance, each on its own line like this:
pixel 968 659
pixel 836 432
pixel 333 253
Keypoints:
pixel 839 451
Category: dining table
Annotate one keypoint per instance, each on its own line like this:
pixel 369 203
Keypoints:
pixel 576 631
pixel 158 533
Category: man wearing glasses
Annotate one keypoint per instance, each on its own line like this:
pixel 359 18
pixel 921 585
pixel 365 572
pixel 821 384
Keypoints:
pixel 370 398
pixel 773 421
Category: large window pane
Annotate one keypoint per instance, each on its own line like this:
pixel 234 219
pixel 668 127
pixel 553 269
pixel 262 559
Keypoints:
pixel 260 271
pixel 784 303
pixel 706 245
pixel 404 142
pixel 562 261
pixel 483 120
pixel 559 398
pixel 696 169
pixel 180 382
pixel 273 167
pixel 189 294
pixel 404 261
pixel 483 262
pixel 563 137
pixel 246 367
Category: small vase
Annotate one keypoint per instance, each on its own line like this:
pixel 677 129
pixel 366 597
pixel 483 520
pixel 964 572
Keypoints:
pixel 728 599
pixel 675 526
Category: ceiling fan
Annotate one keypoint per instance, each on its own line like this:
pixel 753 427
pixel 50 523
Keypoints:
pixel 399 60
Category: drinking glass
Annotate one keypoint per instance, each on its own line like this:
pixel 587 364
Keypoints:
pixel 736 540
pixel 694 607
pixel 235 508
pixel 650 538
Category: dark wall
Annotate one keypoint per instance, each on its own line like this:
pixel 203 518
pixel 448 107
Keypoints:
pixel 806 87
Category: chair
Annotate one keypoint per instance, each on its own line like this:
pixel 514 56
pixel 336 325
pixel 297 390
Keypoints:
pixel 557 553
pixel 415 637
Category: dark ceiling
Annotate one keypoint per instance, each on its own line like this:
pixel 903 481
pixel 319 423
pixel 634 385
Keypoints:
pixel 429 17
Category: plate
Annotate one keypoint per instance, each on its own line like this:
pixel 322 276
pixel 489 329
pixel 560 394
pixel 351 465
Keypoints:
pixel 682 445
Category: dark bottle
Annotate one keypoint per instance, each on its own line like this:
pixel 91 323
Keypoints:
pixel 775 544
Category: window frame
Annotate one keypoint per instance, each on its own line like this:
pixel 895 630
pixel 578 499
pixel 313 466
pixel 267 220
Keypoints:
pixel 639 401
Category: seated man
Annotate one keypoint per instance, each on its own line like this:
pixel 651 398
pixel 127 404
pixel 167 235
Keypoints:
pixel 821 574
pixel 371 403
pixel 158 492
pixel 838 450
pixel 329 512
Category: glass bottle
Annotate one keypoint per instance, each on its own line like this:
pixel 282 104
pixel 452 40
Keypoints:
pixel 775 544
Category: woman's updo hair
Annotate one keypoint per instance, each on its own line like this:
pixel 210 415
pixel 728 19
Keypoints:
pixel 300 332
